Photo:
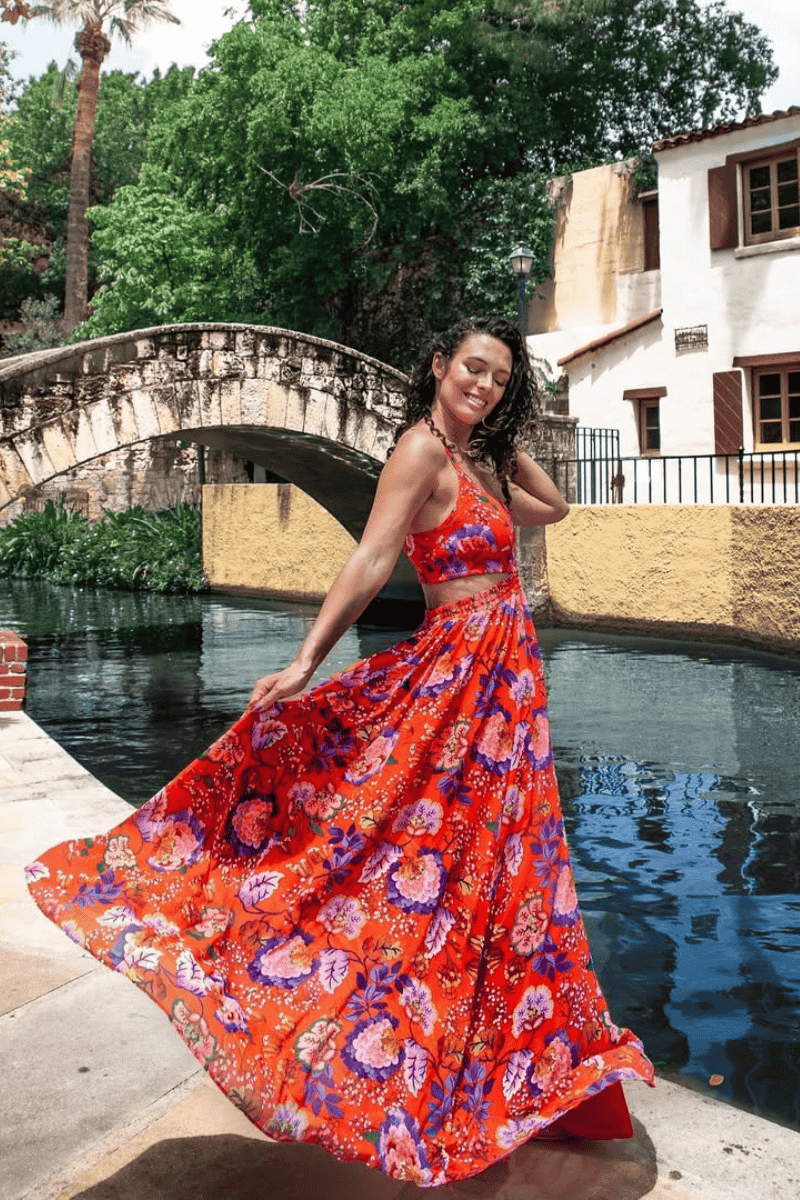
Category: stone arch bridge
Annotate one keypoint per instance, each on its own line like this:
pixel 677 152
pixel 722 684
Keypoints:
pixel 317 413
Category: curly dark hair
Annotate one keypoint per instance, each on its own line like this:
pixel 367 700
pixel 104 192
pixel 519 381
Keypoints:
pixel 513 419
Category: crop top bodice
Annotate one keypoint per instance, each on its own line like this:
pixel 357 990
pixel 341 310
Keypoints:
pixel 475 538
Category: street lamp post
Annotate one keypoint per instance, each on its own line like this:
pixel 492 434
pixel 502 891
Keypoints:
pixel 522 262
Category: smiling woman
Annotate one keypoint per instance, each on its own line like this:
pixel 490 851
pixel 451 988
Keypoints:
pixel 357 906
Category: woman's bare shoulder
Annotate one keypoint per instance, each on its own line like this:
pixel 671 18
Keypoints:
pixel 419 450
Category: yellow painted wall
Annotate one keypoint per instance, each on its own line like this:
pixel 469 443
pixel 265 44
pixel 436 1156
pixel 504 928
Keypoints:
pixel 721 571
pixel 271 538
pixel 598 234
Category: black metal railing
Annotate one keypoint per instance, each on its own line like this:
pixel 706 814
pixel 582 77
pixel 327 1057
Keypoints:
pixel 762 477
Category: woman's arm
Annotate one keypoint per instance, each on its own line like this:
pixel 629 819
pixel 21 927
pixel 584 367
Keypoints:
pixel 535 499
pixel 405 483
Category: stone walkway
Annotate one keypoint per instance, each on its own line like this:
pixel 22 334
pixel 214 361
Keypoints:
pixel 101 1101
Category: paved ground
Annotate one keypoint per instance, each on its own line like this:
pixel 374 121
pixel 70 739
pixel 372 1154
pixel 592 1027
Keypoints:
pixel 99 1100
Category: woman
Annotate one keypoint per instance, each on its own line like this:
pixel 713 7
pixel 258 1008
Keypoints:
pixel 357 908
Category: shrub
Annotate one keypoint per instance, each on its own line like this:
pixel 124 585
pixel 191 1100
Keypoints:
pixel 134 550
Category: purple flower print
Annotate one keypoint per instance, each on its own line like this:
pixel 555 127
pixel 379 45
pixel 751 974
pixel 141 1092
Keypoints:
pixel 401 1151
pixel 284 962
pixel 373 1050
pixel 416 884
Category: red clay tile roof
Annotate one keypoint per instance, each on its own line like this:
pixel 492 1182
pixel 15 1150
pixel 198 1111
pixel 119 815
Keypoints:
pixel 607 338
pixel 699 135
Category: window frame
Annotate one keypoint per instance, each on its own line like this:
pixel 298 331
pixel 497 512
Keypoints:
pixel 646 405
pixel 771 160
pixel 784 369
pixel 726 202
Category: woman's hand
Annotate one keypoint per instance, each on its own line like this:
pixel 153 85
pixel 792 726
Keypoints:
pixel 280 686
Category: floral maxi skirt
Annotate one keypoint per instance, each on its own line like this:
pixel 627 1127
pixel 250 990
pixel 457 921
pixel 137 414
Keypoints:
pixel 357 909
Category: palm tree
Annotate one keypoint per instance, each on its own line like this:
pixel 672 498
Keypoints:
pixel 99 20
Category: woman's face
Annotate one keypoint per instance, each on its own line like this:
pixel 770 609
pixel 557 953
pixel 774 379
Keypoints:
pixel 470 384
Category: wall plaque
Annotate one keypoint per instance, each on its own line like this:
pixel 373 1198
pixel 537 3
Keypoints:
pixel 691 337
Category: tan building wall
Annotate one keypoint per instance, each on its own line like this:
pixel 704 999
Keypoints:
pixel 598 235
pixel 271 539
pixel 713 571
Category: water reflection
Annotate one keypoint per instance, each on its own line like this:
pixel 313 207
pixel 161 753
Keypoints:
pixel 678 765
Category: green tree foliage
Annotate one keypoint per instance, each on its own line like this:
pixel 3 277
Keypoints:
pixel 360 169
pixel 38 134
pixel 41 327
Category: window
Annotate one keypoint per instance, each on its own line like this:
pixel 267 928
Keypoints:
pixel 771 199
pixel 755 199
pixel 649 426
pixel 776 406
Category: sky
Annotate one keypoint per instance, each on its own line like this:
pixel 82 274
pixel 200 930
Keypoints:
pixel 202 21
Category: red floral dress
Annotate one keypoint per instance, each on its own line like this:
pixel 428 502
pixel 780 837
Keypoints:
pixel 357 908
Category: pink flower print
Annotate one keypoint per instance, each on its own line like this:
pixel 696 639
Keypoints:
pixel 317 1045
pixel 494 749
pixel 450 748
pixel 512 806
pixel 177 841
pixel 565 903
pixel 530 927
pixel 417 1000
pixel 228 750
pixel 540 738
pixel 553 1064
pixel 374 757
pixel 213 921
pixel 535 1007
pixel 373 1050
pixel 118 852
pixel 284 964
pixel 249 825
pixel 194 1030
pixel 299 796
pixel 287 1123
pixel 344 915
pixel 423 817
pixel 416 884
pixel 443 674
pixel 400 1149
pixel 323 805
pixel 524 688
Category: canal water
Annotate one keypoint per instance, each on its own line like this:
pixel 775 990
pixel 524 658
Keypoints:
pixel 679 767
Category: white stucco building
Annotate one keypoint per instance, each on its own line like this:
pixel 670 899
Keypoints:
pixel 680 327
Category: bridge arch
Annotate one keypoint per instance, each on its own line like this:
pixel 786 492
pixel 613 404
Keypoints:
pixel 320 414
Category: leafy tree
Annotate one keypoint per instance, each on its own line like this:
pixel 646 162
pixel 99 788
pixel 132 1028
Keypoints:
pixel 41 327
pixel 41 136
pixel 166 262
pixel 364 161
pixel 122 17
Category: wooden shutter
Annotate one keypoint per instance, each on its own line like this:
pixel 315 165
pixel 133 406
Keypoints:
pixel 723 222
pixel 652 248
pixel 727 412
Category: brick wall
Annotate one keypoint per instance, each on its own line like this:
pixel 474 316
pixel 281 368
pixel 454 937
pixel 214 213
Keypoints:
pixel 13 663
